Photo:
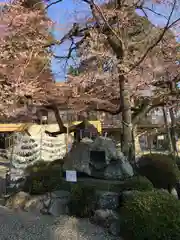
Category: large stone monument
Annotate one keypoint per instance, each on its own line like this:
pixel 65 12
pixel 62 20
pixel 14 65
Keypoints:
pixel 98 158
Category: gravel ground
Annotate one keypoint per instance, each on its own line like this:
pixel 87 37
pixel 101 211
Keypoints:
pixel 26 226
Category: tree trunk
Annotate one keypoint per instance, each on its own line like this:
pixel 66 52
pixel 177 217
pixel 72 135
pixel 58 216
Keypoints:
pixel 172 130
pixel 173 87
pixel 59 120
pixel 168 130
pixel 127 136
pixel 137 147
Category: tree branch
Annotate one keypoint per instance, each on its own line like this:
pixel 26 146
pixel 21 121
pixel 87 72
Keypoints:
pixel 75 31
pixel 53 3
pixel 151 10
pixel 106 110
pixel 150 48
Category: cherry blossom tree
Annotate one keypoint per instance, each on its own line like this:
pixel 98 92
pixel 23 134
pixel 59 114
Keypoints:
pixel 134 52
pixel 25 61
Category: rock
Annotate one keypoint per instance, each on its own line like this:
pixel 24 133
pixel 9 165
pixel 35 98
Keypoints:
pixel 164 190
pixel 55 203
pixel 114 228
pixel 178 189
pixel 34 204
pixel 47 203
pixel 58 207
pixel 59 203
pixel 78 158
pixel 44 211
pixel 126 168
pixel 120 155
pixel 18 200
pixel 88 157
pixel 100 216
pixel 63 195
pixel 108 146
pixel 174 193
pixel 99 174
pixel 98 160
pixel 108 219
pixel 118 170
pixel 113 171
pixel 108 200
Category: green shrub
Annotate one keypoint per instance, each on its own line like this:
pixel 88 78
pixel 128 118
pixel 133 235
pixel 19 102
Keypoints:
pixel 160 169
pixel 82 201
pixel 153 215
pixel 177 159
pixel 43 177
pixel 39 166
pixel 138 183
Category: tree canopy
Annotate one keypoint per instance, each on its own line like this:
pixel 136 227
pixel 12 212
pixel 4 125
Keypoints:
pixel 25 60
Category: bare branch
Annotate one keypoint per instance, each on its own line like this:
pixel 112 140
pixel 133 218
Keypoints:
pixel 150 48
pixel 151 10
pixel 53 3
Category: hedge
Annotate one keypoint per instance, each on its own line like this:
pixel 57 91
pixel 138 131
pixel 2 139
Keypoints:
pixel 153 215
pixel 160 169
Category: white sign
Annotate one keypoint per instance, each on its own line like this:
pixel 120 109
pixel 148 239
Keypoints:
pixel 71 176
pixel 161 137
